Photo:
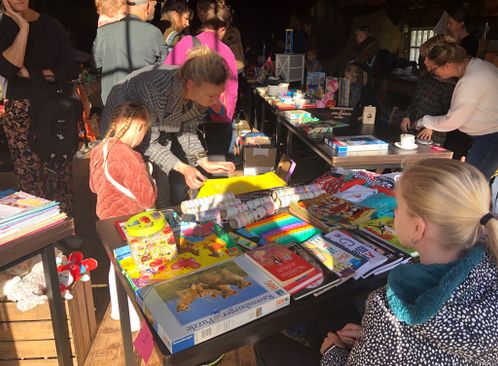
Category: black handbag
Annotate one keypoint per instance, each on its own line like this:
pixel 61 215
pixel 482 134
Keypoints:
pixel 55 118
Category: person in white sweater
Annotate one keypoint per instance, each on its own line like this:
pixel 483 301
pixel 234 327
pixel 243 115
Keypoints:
pixel 474 107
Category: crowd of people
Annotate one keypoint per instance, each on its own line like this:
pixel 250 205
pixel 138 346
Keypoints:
pixel 170 99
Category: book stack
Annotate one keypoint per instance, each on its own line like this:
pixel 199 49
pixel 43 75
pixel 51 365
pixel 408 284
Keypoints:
pixel 288 269
pixel 328 212
pixel 321 129
pixel 22 214
pixel 344 144
pixel 351 256
pixel 381 231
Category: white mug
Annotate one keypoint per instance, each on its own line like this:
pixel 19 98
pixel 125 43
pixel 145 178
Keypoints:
pixel 407 140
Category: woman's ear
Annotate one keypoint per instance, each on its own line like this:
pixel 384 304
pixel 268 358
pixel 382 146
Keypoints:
pixel 420 227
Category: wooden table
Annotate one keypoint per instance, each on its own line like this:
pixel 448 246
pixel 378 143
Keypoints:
pixel 43 243
pixel 297 311
pixel 381 159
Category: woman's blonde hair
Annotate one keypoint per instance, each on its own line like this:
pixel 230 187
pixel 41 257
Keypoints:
pixel 204 66
pixel 453 196
pixel 110 7
pixel 442 49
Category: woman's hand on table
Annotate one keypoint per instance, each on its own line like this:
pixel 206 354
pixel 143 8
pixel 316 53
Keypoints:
pixel 193 177
pixel 330 340
pixel 216 167
pixel 350 334
pixel 405 124
pixel 425 134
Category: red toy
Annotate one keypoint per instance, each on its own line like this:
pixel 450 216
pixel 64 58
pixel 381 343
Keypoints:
pixel 73 269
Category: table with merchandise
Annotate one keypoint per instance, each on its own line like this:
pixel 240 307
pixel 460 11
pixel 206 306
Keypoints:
pixel 243 267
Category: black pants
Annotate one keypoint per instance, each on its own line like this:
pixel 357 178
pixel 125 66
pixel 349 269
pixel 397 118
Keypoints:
pixel 217 137
pixel 458 142
pixel 171 188
pixel 281 350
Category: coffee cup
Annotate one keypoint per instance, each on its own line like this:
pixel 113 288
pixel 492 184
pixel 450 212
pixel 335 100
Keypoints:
pixel 407 140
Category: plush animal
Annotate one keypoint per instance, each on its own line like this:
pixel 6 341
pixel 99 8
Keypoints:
pixel 73 269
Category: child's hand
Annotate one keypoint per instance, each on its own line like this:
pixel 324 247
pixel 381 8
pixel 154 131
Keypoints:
pixel 405 124
pixel 425 134
pixel 329 341
pixel 350 334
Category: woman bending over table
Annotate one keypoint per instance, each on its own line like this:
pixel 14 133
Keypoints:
pixel 441 311
pixel 474 107
pixel 177 99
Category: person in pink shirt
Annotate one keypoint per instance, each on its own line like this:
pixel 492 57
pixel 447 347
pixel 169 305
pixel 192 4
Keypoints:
pixel 217 135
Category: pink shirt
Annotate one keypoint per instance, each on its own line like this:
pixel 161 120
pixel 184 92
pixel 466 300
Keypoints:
pixel 179 55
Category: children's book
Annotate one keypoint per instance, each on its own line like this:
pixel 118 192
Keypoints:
pixel 328 279
pixel 335 258
pixel 315 84
pixel 345 240
pixel 281 228
pixel 280 263
pixel 356 143
pixel 382 229
pixel 195 308
pixel 319 130
pixel 199 246
pixel 328 213
pixel 20 205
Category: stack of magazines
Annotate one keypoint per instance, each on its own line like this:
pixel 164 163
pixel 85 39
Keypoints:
pixel 22 214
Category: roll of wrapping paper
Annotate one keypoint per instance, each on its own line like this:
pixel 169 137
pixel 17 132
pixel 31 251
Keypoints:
pixel 285 201
pixel 207 216
pixel 289 191
pixel 231 211
pixel 219 206
pixel 206 203
pixel 247 217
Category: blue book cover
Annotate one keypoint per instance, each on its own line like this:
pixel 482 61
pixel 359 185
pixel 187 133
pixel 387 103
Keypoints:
pixel 356 143
pixel 194 308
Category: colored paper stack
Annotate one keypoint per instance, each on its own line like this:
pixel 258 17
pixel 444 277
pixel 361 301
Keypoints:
pixel 22 214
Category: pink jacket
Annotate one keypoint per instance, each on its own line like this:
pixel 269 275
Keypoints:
pixel 126 167
pixel 179 55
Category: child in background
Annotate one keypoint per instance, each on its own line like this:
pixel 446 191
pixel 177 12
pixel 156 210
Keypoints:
pixel 110 11
pixel 354 73
pixel 312 63
pixel 120 178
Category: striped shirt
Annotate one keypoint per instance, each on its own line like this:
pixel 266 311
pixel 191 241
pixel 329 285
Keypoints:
pixel 160 89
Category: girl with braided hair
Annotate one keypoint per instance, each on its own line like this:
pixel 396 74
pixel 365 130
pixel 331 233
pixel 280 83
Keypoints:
pixel 120 178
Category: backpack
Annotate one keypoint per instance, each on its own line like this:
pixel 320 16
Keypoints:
pixel 171 38
pixel 55 116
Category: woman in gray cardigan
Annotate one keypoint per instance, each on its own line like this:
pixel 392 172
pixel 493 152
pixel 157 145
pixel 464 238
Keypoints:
pixel 178 99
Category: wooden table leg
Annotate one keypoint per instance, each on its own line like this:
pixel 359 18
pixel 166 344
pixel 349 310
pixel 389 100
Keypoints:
pixel 57 308
pixel 124 319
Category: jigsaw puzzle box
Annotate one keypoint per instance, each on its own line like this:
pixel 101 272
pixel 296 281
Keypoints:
pixel 194 308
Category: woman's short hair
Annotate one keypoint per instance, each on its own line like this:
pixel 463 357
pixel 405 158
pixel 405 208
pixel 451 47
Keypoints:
pixel 442 49
pixel 429 188
pixel 204 66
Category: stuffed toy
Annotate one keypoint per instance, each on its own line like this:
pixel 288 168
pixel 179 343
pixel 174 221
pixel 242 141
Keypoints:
pixel 73 269
pixel 25 282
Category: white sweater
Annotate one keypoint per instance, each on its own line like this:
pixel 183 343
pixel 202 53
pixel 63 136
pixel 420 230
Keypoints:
pixel 474 104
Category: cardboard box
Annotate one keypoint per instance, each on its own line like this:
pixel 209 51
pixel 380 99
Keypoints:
pixel 259 160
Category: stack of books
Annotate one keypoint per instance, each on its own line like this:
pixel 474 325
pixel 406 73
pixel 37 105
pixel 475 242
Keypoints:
pixel 22 214
pixel 288 269
pixel 344 144
pixel 328 212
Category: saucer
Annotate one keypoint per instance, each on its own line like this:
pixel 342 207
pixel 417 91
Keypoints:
pixel 411 147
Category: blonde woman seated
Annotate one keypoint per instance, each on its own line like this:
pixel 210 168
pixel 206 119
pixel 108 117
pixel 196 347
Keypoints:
pixel 443 310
